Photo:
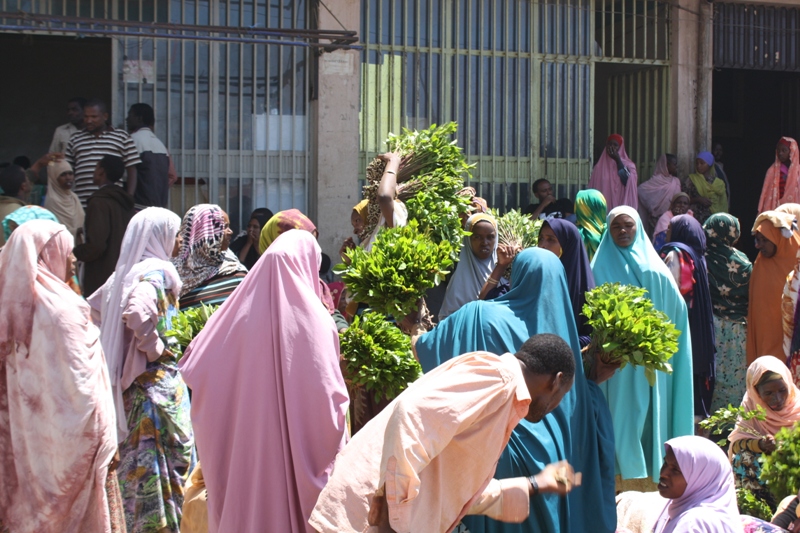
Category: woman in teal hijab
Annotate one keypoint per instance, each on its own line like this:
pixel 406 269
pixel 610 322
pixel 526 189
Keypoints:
pixel 579 430
pixel 645 417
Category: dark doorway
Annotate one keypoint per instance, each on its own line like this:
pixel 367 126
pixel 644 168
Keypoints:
pixel 40 74
pixel 751 111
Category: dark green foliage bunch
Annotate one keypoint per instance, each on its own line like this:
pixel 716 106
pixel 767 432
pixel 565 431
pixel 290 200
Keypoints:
pixel 378 356
pixel 781 468
pixel 187 325
pixel 752 505
pixel 429 182
pixel 725 419
pixel 403 264
pixel 516 229
pixel 628 329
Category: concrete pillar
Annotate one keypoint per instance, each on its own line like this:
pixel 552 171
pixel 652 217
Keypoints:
pixel 335 132
pixel 684 73
pixel 705 71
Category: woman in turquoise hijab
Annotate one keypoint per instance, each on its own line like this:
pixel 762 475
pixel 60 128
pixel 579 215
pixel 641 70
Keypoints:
pixel 645 417
pixel 578 430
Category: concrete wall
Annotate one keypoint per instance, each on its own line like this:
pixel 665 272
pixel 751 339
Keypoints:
pixel 335 131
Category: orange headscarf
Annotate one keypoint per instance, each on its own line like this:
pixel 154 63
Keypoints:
pixel 791 193
pixel 788 416
pixel 764 317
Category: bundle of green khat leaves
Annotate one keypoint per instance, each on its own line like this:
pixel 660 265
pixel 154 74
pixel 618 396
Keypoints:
pixel 628 329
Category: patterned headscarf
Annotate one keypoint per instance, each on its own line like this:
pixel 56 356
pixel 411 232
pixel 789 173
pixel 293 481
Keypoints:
pixel 728 268
pixel 281 222
pixel 26 214
pixel 590 210
pixel 200 256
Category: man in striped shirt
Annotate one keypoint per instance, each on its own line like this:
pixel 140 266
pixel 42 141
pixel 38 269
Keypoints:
pixel 96 140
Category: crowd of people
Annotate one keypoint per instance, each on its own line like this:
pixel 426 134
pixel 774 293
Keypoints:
pixel 107 427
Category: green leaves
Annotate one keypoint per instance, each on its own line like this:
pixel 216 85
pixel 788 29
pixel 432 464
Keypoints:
pixel 187 325
pixel 403 264
pixel 628 329
pixel 378 356
pixel 725 419
pixel 781 468
pixel 516 229
pixel 752 505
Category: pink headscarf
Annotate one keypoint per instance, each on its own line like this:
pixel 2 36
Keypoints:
pixel 56 413
pixel 655 194
pixel 786 417
pixel 770 192
pixel 709 502
pixel 606 180
pixel 265 377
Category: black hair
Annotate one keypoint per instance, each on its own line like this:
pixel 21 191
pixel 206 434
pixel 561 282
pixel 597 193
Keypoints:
pixel 145 113
pixel 325 265
pixel 114 167
pixel 535 186
pixel 23 161
pixel 80 100
pixel 11 179
pixel 672 157
pixel 547 354
pixel 262 215
pixel 96 102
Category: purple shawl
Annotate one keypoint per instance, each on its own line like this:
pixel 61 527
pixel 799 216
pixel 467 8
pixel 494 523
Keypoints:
pixel 709 502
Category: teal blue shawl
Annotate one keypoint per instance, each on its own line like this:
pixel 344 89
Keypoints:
pixel 646 417
pixel 578 430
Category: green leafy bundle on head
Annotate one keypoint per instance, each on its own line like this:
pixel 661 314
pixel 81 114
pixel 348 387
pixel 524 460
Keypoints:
pixel 429 182
pixel 403 263
pixel 378 356
pixel 781 468
pixel 186 325
pixel 628 329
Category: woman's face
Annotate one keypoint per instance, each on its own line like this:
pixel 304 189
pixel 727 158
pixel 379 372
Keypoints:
pixel 774 394
pixel 66 180
pixel 782 151
pixel 548 240
pixel 672 167
pixel 226 235
pixel 765 246
pixel 483 239
pixel 253 229
pixel 72 268
pixel 701 166
pixel 623 231
pixel 357 222
pixel 680 206
pixel 177 246
pixel 671 483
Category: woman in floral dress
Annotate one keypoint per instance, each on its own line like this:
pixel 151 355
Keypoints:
pixel 728 280
pixel 136 306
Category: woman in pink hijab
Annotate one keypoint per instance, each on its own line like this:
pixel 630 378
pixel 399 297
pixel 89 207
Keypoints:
pixel 57 427
pixel 656 193
pixel 269 401
pixel 614 175
pixel 698 481
pixel 782 182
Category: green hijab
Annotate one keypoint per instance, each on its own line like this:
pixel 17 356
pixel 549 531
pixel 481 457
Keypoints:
pixel 728 268
pixel 590 210
pixel 714 191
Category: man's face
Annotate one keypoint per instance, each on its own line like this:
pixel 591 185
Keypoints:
pixel 546 394
pixel 544 190
pixel 75 114
pixel 94 119
pixel 133 122
pixel 717 152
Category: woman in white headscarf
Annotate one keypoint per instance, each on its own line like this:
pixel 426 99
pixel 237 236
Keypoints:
pixel 136 307
pixel 60 200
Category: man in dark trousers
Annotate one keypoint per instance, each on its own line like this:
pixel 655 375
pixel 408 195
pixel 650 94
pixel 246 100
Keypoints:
pixel 155 173
pixel 108 211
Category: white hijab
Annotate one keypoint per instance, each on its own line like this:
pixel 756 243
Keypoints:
pixel 147 246
pixel 468 279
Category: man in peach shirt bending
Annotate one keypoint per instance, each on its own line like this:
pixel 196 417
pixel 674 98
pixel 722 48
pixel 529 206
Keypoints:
pixel 429 458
